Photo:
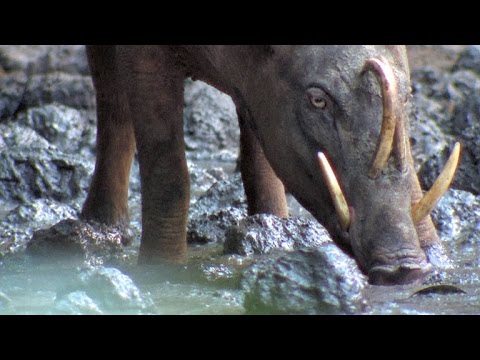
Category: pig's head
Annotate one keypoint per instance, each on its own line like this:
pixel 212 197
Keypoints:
pixel 346 106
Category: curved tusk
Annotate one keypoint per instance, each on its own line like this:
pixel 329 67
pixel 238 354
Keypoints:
pixel 386 79
pixel 336 192
pixel 400 146
pixel 439 187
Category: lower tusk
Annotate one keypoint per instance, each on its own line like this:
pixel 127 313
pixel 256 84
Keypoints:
pixel 440 186
pixel 336 192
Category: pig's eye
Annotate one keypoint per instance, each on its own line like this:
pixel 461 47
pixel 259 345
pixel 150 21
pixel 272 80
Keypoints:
pixel 317 98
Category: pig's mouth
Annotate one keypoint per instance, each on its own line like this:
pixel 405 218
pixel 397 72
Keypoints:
pixel 398 274
pixel 402 269
pixel 403 266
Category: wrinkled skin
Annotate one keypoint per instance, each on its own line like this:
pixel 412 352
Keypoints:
pixel 140 100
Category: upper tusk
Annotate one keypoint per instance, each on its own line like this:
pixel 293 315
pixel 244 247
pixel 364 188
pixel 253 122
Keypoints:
pixel 388 84
pixel 336 192
pixel 439 187
pixel 400 146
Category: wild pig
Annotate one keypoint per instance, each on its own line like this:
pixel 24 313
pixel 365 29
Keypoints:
pixel 300 109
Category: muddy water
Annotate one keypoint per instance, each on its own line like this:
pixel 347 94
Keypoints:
pixel 463 298
pixel 207 284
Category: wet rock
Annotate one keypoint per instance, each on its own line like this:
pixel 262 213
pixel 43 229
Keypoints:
pixel 437 256
pixel 309 281
pixel 36 76
pixel 33 169
pixel 77 303
pixel 451 102
pixel 212 227
pixel 432 111
pixel 222 206
pixel 18 225
pixel 222 194
pixel 457 217
pixel 218 272
pixel 103 290
pixel 14 135
pixel 466 122
pixel 435 162
pixel 460 85
pixel 441 57
pixel 428 81
pixel 262 233
pixel 469 59
pixel 211 124
pixel 44 173
pixel 113 290
pixel 71 90
pixel 13 87
pixel 44 58
pixel 96 243
pixel 201 179
pixel 427 137
pixel 69 129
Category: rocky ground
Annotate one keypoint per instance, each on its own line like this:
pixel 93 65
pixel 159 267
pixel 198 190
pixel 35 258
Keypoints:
pixel 47 136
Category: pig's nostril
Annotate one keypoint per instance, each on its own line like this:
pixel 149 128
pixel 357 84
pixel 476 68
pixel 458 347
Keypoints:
pixel 398 275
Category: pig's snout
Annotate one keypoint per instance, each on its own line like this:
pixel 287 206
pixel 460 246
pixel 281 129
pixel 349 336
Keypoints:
pixel 403 267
